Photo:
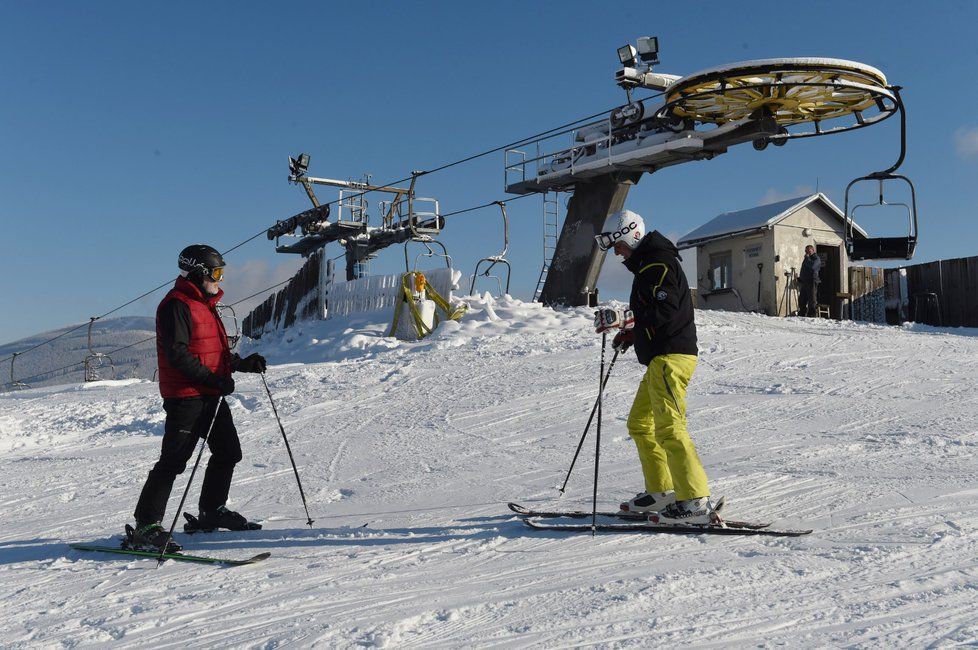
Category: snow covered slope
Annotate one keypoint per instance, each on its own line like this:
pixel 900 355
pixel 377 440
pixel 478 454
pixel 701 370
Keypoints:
pixel 409 451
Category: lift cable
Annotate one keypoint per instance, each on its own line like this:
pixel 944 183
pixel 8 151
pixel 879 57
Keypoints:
pixel 559 130
pixel 151 338
pixel 237 302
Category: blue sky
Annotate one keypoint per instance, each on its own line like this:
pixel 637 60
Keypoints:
pixel 128 130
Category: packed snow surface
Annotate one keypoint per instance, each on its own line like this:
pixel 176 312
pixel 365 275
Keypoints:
pixel 408 453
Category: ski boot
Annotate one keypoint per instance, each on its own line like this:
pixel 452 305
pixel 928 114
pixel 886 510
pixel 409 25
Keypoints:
pixel 208 522
pixel 646 502
pixel 698 511
pixel 148 537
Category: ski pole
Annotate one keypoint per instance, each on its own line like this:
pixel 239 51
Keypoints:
pixel 169 535
pixel 597 440
pixel 288 449
pixel 587 427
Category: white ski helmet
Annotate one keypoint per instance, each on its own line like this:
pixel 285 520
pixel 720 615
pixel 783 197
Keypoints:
pixel 626 226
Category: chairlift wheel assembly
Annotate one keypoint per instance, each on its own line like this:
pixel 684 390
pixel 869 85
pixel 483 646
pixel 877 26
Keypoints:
pixel 792 91
pixel 806 97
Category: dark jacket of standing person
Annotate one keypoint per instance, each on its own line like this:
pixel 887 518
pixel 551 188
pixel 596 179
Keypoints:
pixel 810 268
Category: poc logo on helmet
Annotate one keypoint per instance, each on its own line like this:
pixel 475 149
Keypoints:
pixel 627 229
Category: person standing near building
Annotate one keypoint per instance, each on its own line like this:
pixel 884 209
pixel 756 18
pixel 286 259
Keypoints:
pixel 195 366
pixel 659 323
pixel 808 280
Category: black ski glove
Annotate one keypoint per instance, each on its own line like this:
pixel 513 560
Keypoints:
pixel 223 384
pixel 623 340
pixel 252 363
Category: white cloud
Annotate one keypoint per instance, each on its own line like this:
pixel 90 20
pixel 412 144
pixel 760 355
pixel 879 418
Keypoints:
pixel 615 281
pixel 966 142
pixel 242 280
pixel 773 195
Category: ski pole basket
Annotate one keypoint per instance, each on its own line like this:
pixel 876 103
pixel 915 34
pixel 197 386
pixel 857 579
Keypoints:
pixel 493 260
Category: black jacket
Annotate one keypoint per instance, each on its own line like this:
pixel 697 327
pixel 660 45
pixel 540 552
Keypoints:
pixel 810 268
pixel 660 300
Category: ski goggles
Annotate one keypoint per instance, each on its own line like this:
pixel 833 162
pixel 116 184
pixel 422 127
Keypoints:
pixel 216 274
pixel 606 240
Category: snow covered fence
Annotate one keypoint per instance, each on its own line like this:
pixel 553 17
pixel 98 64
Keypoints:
pixel 315 293
pixel 381 291
pixel 299 299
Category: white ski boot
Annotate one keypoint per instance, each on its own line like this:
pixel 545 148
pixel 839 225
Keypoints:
pixel 698 511
pixel 646 502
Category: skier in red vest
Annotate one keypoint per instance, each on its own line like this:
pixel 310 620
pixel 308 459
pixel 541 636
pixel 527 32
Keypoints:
pixel 195 366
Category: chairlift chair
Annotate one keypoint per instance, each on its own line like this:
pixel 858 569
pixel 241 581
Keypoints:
pixel 15 383
pixel 95 361
pixel 496 259
pixel 233 339
pixel 425 241
pixel 879 248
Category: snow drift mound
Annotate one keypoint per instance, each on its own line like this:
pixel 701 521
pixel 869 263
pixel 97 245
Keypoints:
pixel 365 335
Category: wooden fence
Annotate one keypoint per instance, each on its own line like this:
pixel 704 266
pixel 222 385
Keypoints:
pixel 299 299
pixel 942 293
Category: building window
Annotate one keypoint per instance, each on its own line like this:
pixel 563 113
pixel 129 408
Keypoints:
pixel 720 270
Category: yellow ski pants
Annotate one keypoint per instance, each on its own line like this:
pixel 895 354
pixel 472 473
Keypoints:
pixel 657 424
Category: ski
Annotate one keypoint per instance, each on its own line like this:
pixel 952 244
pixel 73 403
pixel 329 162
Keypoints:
pixel 730 528
pixel 180 557
pixel 193 526
pixel 523 511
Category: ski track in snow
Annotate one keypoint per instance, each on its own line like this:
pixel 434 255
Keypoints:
pixel 408 453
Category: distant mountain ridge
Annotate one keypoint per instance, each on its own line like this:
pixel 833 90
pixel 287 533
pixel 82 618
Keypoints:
pixel 46 365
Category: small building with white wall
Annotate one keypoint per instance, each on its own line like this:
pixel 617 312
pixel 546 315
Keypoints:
pixel 749 260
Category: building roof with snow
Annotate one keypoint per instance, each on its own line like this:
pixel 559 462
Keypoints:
pixel 742 222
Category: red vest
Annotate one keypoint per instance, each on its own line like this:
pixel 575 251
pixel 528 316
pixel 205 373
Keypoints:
pixel 208 342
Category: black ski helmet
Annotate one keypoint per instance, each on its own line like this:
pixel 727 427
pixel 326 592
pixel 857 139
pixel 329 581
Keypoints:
pixel 200 260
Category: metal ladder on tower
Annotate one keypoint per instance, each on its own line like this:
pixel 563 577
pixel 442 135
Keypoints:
pixel 551 213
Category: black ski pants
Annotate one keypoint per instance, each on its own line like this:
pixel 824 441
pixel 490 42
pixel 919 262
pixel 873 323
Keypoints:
pixel 187 421
pixel 807 299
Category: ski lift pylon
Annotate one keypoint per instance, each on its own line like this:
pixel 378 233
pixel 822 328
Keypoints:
pixel 493 260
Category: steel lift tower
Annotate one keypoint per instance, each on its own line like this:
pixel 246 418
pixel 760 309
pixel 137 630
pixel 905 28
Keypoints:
pixel 698 117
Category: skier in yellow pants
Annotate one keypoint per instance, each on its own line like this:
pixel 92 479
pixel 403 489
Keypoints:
pixel 657 424
pixel 660 325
